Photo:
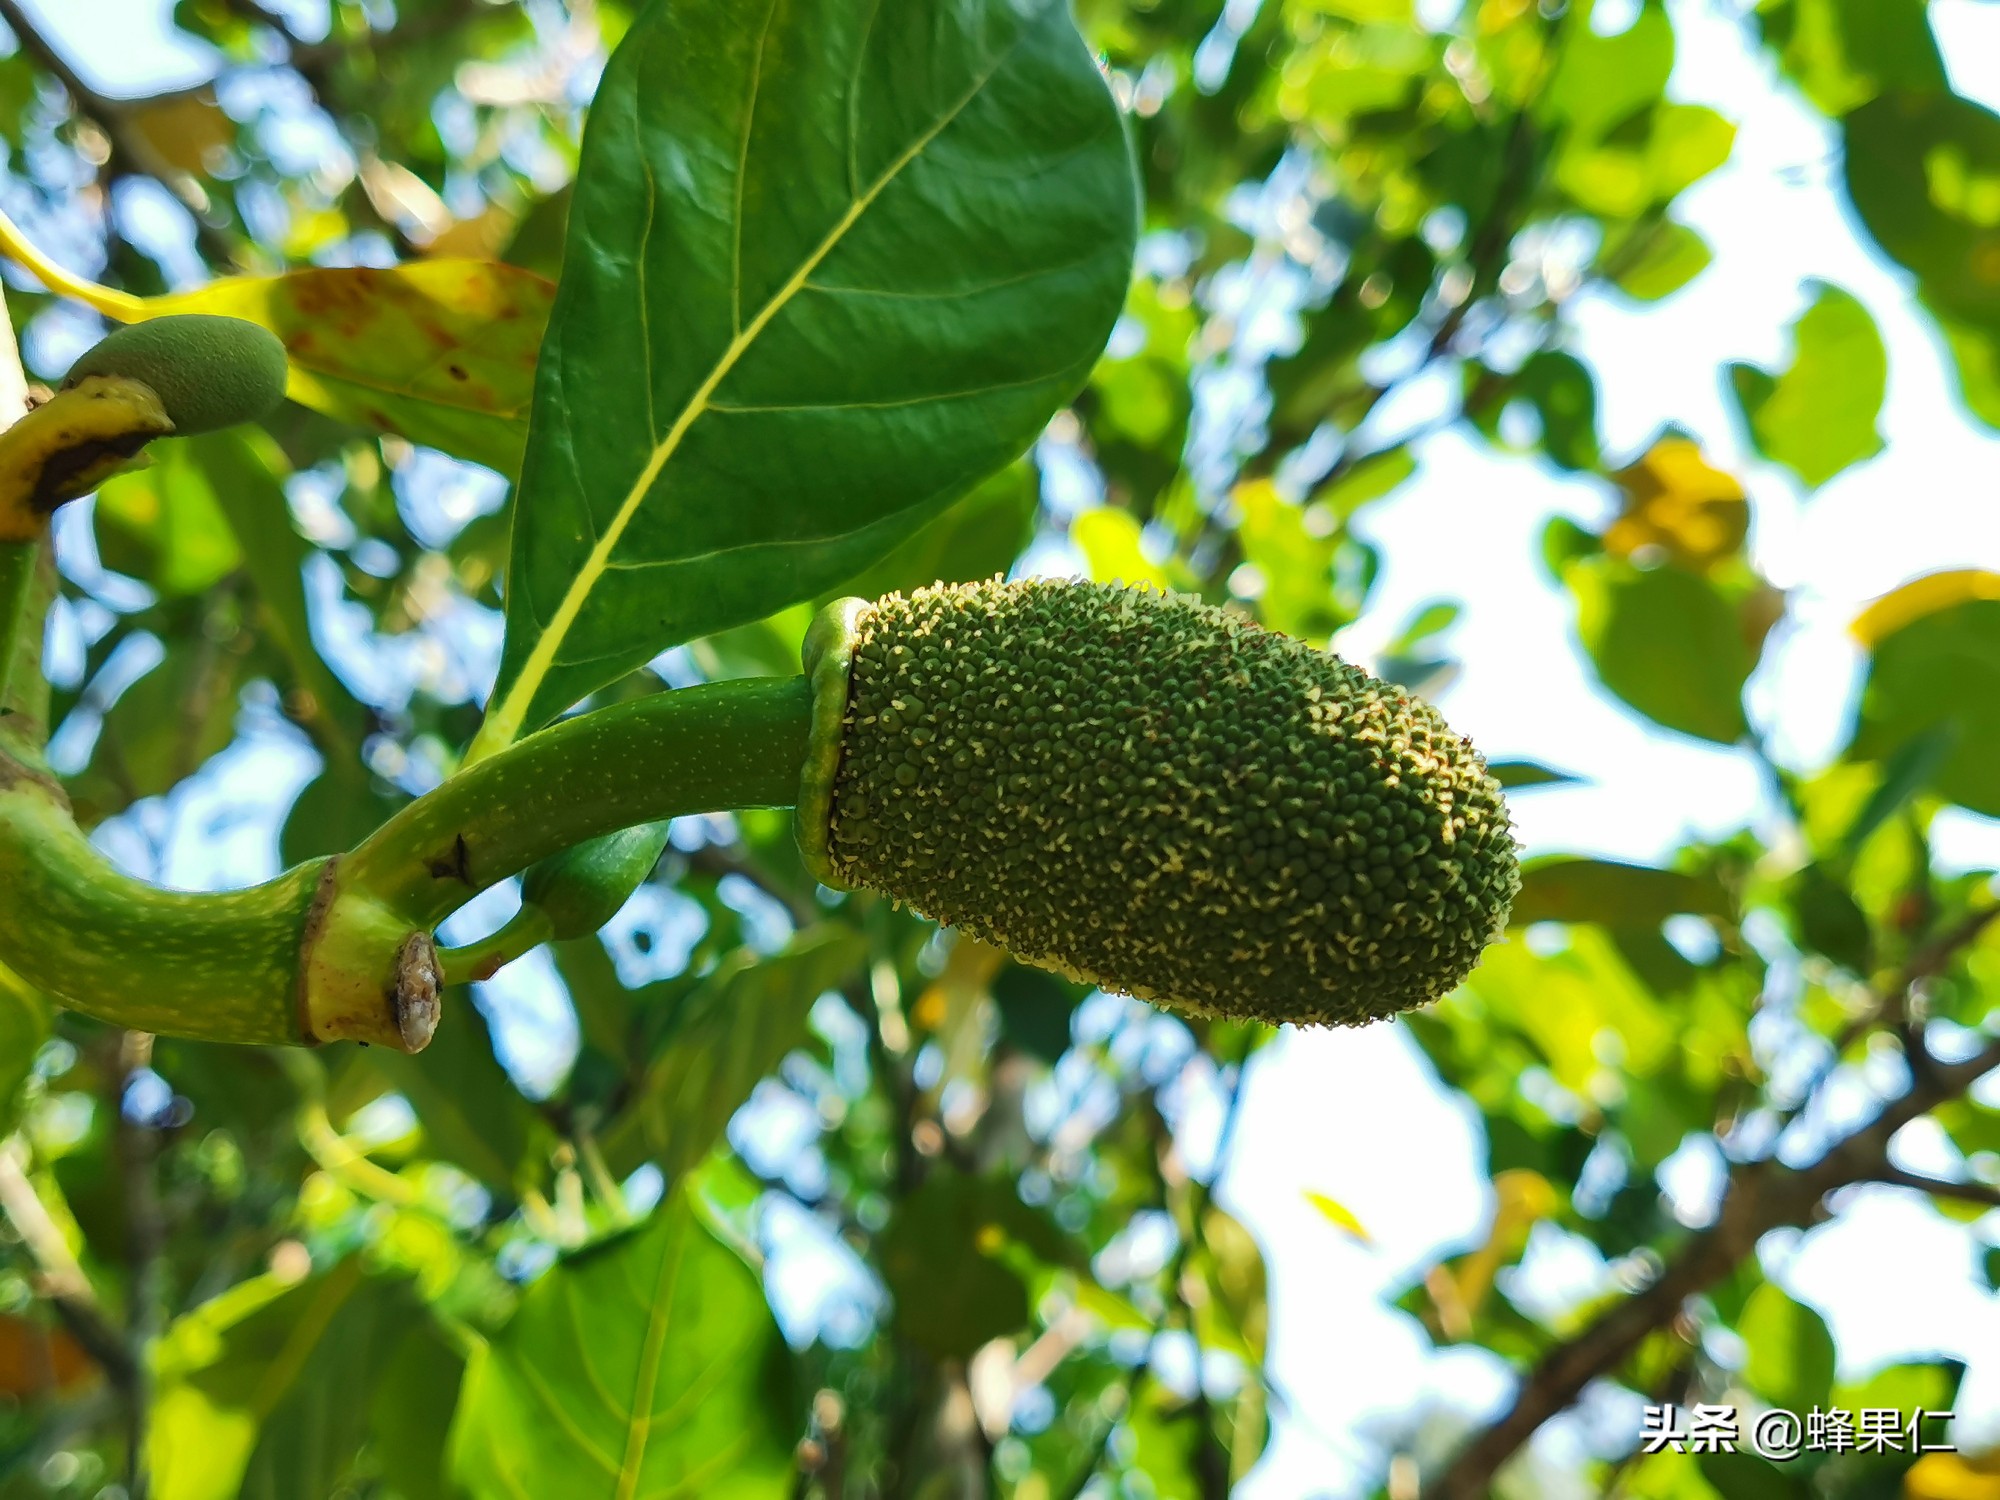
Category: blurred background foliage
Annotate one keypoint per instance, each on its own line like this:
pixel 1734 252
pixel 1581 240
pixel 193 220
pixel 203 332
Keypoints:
pixel 359 1274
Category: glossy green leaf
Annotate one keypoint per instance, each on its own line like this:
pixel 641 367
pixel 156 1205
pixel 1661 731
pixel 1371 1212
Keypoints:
pixel 1790 1361
pixel 712 1057
pixel 647 1365
pixel 1923 173
pixel 582 888
pixel 1667 642
pixel 1564 888
pixel 1666 258
pixel 255 1387
pixel 1941 671
pixel 1817 416
pixel 817 286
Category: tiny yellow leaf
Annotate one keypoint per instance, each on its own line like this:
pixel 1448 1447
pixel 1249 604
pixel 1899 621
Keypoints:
pixel 1341 1216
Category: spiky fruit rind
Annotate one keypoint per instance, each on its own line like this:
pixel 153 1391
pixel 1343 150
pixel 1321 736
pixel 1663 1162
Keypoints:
pixel 1155 796
pixel 208 371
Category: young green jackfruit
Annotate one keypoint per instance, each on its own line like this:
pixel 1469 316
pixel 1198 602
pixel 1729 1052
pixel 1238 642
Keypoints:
pixel 208 371
pixel 1152 795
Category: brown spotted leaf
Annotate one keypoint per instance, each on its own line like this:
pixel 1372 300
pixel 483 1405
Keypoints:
pixel 441 352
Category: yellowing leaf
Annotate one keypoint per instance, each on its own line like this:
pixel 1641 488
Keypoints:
pixel 482 237
pixel 1675 500
pixel 442 352
pixel 186 130
pixel 1919 597
pixel 1522 1198
pixel 1340 1215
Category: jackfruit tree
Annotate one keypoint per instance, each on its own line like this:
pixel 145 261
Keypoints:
pixel 718 774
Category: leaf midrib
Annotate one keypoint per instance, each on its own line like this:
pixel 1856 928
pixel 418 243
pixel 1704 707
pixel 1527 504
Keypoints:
pixel 504 723
pixel 639 1424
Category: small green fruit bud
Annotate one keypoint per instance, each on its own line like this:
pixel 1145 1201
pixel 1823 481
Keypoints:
pixel 208 371
pixel 581 889
pixel 1152 795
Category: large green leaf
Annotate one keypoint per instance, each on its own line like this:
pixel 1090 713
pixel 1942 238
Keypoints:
pixel 647 1365
pixel 828 265
pixel 256 1387
pixel 1790 1362
pixel 1818 417
pixel 1843 53
pixel 714 1054
pixel 1666 641
pixel 1568 889
pixel 1923 170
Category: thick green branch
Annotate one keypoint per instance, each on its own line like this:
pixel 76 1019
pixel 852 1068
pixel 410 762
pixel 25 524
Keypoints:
pixel 321 953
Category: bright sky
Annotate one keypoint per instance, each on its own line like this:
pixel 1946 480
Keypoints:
pixel 1356 1115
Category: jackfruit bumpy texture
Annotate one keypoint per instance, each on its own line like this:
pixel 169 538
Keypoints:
pixel 1149 794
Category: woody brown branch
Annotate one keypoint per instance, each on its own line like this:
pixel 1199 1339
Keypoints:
pixel 1761 1196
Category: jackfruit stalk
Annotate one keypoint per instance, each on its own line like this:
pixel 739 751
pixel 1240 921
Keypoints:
pixel 1152 795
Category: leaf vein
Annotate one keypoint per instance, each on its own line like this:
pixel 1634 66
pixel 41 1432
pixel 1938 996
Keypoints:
pixel 659 1318
pixel 742 172
pixel 928 398
pixel 568 1423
